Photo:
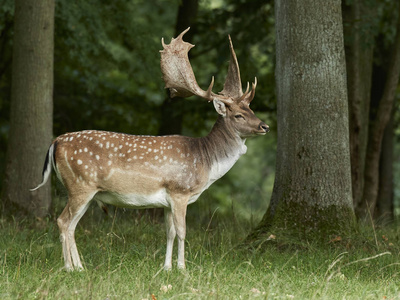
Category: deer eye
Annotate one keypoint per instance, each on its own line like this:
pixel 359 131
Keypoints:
pixel 239 116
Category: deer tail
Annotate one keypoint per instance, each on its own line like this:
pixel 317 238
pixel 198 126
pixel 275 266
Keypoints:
pixel 48 163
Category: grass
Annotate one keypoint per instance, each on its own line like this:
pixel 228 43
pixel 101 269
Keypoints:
pixel 123 258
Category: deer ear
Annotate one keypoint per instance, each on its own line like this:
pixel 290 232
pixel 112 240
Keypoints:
pixel 220 107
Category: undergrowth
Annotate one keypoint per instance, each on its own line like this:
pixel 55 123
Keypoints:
pixel 123 258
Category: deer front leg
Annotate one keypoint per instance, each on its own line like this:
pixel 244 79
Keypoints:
pixel 171 233
pixel 179 219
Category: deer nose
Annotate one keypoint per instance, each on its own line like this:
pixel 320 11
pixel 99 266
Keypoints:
pixel 263 127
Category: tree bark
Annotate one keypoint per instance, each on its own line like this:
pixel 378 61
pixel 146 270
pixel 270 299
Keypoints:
pixel 376 131
pixel 31 114
pixel 359 53
pixel 312 196
pixel 385 195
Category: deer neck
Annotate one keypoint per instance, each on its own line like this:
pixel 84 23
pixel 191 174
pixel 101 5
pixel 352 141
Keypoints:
pixel 222 148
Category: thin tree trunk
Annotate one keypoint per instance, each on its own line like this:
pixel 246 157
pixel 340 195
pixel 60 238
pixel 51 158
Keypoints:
pixel 376 131
pixel 385 196
pixel 31 106
pixel 359 53
pixel 171 110
pixel 312 197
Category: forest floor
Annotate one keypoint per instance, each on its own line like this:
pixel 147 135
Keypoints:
pixel 123 258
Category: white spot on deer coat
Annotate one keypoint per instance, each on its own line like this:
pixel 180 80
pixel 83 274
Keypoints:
pixel 79 162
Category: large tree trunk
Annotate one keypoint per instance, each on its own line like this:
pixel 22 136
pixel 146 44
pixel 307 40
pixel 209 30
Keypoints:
pixel 359 53
pixel 31 106
pixel 376 131
pixel 312 196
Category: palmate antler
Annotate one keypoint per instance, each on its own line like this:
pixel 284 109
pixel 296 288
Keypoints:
pixel 179 77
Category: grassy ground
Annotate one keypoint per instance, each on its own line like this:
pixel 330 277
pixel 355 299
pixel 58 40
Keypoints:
pixel 123 258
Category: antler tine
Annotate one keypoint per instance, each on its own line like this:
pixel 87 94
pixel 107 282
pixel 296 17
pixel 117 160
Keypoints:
pixel 209 90
pixel 244 95
pixel 248 97
pixel 233 84
pixel 247 88
pixel 178 73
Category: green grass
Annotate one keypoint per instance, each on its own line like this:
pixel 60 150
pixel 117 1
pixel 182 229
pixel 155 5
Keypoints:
pixel 123 258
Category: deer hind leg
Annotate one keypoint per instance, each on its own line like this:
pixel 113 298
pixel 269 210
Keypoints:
pixel 67 221
pixel 62 220
pixel 179 219
pixel 171 233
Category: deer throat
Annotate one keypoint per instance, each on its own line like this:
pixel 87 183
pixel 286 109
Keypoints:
pixel 223 164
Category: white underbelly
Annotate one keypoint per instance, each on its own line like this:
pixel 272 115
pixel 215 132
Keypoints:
pixel 157 199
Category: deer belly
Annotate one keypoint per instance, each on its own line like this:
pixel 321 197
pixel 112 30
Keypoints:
pixel 157 199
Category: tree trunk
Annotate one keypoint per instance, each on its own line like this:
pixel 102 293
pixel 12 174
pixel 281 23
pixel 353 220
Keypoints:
pixel 312 196
pixel 359 53
pixel 376 131
pixel 31 113
pixel 171 110
pixel 385 195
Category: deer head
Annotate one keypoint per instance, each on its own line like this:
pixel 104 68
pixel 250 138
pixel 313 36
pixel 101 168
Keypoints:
pixel 231 103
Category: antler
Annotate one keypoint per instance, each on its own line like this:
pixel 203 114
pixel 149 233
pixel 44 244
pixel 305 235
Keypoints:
pixel 177 71
pixel 179 77
pixel 233 84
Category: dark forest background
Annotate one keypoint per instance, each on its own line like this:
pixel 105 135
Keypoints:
pixel 107 77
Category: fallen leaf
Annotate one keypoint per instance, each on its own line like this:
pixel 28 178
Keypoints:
pixel 336 239
pixel 255 291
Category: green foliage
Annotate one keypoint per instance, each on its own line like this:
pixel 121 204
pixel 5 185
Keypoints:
pixel 107 73
pixel 123 259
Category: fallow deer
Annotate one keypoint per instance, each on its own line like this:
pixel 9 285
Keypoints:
pixel 154 171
